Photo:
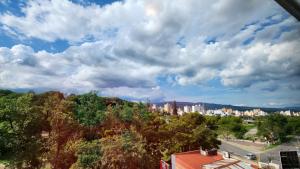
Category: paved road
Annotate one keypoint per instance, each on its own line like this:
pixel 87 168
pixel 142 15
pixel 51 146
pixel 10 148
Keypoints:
pixel 272 154
pixel 234 149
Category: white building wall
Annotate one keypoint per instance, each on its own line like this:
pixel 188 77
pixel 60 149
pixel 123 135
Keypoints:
pixel 187 109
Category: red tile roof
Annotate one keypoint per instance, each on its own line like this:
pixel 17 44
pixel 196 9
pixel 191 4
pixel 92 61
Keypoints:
pixel 194 160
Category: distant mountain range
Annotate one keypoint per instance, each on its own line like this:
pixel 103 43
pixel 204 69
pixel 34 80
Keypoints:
pixel 219 106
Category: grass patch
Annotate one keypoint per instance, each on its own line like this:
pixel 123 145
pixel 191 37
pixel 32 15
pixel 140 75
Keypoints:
pixel 249 126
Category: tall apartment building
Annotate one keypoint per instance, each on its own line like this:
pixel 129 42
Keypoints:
pixel 187 109
pixel 167 107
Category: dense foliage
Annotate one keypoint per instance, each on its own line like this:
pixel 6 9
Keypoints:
pixel 232 125
pixel 51 130
pixel 275 128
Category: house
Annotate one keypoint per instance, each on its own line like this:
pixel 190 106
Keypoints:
pixel 207 159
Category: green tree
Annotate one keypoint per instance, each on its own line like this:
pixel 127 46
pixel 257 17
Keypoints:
pixel 142 111
pixel 89 155
pixel 88 131
pixel 231 125
pixel 293 126
pixel 205 137
pixel 90 109
pixel 126 114
pixel 20 127
pixel 188 132
pixel 5 92
pixel 273 128
pixel 212 122
pixel 90 113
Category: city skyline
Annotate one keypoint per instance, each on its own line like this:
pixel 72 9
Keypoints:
pixel 225 52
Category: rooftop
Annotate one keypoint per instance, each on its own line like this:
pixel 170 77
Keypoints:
pixel 193 159
pixel 229 164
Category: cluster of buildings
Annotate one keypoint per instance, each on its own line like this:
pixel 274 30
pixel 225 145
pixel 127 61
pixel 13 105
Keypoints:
pixel 195 108
pixel 170 107
pixel 231 112
pixel 289 113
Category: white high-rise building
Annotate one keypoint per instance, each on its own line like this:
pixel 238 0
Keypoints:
pixel 286 113
pixel 198 108
pixel 187 109
pixel 154 107
pixel 167 107
pixel 262 113
pixel 193 109
pixel 180 111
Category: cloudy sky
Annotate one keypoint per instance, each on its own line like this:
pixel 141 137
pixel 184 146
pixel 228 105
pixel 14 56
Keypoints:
pixel 223 51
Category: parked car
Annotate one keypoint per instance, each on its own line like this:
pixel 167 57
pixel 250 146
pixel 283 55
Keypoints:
pixel 250 156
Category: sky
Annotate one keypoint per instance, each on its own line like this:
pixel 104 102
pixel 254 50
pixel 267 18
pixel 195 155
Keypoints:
pixel 238 52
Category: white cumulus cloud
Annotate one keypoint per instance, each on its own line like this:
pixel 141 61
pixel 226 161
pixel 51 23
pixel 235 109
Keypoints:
pixel 125 46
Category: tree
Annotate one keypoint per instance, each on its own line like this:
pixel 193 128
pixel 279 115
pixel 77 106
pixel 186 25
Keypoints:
pixel 174 109
pixel 90 113
pixel 64 131
pixel 188 132
pixel 231 125
pixel 141 111
pixel 155 136
pixel 212 122
pixel 90 109
pixel 126 114
pixel 20 125
pixel 273 128
pixel 88 131
pixel 293 126
pixel 125 151
pixel 205 137
pixel 89 155
pixel 5 92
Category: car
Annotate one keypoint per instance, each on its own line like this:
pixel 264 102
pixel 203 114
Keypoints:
pixel 250 156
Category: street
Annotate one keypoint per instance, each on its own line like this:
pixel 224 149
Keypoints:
pixel 263 156
pixel 273 154
pixel 233 149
